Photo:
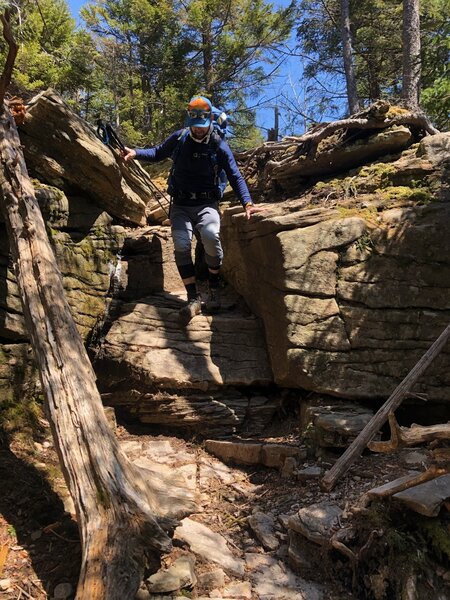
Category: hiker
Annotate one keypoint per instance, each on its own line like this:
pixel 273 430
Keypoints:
pixel 195 185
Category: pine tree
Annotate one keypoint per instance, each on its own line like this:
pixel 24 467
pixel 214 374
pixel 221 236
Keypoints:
pixel 352 93
pixel 45 33
pixel 411 54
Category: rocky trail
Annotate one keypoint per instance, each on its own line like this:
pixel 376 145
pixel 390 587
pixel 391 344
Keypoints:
pixel 241 540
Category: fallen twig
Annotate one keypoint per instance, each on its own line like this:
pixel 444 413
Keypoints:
pixel 22 591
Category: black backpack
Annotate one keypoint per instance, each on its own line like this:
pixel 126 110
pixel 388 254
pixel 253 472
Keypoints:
pixel 220 178
pixel 220 131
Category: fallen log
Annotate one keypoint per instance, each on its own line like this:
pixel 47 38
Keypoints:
pixel 413 436
pixel 374 117
pixel 405 484
pixel 354 451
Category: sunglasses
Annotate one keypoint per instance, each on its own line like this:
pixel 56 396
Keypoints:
pixel 198 114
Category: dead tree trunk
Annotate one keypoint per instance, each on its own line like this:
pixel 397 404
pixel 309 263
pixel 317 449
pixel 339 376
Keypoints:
pixel 346 36
pixel 116 509
pixel 411 54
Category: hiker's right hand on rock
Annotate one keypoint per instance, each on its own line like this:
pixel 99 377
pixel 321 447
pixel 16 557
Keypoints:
pixel 128 153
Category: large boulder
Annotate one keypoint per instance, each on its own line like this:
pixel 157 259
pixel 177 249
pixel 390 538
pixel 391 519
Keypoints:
pixel 204 377
pixel 354 292
pixel 63 150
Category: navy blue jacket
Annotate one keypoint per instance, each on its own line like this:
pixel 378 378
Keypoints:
pixel 193 170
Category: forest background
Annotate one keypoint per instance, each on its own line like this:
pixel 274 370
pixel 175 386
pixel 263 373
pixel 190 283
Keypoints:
pixel 134 63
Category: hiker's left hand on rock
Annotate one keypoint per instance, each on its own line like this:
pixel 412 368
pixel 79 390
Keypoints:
pixel 250 209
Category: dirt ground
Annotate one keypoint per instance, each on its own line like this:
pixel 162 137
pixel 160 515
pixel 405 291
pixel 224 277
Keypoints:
pixel 39 542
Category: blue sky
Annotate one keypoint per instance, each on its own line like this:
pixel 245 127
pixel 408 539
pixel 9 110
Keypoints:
pixel 75 6
pixel 288 76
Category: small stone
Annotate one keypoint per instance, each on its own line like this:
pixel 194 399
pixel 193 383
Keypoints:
pixel 36 535
pixel 289 466
pixel 208 544
pixel 47 444
pixel 5 584
pixel 179 575
pixel 238 590
pixel 283 520
pixel 212 579
pixel 297 556
pixel 274 455
pixel 246 453
pixel 62 591
pixel 142 594
pixel 215 594
pixel 262 525
pixel 316 522
pixel 309 473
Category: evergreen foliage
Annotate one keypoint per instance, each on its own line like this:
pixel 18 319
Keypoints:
pixel 162 53
pixel 43 33
pixel 377 45
pixel 137 62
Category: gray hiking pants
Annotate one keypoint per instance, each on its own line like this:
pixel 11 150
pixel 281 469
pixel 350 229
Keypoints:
pixel 206 220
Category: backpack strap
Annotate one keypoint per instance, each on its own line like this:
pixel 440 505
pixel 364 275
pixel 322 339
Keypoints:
pixel 181 138
pixel 213 145
pixel 175 154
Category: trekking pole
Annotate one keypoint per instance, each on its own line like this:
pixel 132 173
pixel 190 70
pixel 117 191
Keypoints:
pixel 110 138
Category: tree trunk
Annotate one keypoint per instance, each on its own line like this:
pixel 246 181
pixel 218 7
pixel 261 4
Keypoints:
pixel 208 70
pixel 352 94
pixel 115 507
pixel 411 54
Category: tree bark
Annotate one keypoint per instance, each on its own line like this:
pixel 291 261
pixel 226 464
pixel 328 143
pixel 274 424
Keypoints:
pixel 352 94
pixel 374 117
pixel 411 54
pixel 208 69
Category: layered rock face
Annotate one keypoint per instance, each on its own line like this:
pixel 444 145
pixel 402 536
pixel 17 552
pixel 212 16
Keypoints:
pixel 353 292
pixel 202 377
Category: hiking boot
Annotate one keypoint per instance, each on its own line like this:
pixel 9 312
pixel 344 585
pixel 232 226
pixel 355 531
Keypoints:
pixel 192 308
pixel 213 302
